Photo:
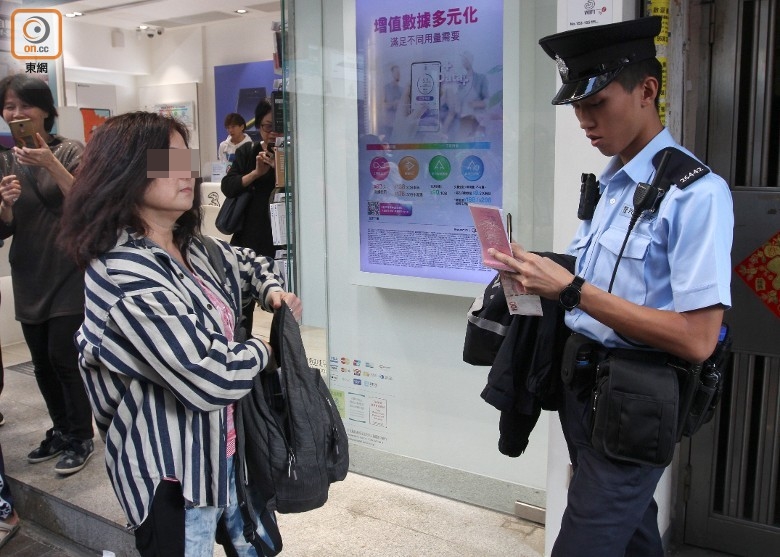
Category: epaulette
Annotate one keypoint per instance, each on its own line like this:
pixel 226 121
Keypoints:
pixel 682 169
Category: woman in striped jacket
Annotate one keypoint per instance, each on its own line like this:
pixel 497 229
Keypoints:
pixel 156 348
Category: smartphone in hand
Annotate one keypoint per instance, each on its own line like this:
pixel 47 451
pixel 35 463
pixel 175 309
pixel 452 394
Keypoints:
pixel 23 133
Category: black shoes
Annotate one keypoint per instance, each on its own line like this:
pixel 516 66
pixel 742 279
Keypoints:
pixel 75 452
pixel 50 447
pixel 76 456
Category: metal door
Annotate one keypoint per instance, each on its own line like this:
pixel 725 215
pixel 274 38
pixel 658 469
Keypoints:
pixel 732 495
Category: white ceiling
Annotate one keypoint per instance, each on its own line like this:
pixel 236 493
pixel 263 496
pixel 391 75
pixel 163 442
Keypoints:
pixel 168 14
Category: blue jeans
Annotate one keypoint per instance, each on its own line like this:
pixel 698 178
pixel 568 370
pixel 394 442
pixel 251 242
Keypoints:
pixel 200 525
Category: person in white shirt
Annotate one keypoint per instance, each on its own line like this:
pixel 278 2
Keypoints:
pixel 235 126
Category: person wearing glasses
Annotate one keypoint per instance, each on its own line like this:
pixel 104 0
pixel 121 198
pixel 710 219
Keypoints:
pixel 253 171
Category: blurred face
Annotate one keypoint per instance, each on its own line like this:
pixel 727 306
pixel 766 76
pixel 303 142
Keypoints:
pixel 266 128
pixel 614 120
pixel 170 197
pixel 15 108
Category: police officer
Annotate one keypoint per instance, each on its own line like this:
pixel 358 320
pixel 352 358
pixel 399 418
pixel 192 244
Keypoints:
pixel 672 282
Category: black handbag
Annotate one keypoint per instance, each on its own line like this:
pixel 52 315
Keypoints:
pixel 230 218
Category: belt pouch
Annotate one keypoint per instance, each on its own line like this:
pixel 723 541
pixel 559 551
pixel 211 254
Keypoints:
pixel 635 410
pixel 705 398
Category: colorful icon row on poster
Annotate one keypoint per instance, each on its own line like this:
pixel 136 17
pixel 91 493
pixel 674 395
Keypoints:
pixel 439 168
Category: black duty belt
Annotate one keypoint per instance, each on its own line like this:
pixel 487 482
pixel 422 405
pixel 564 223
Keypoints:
pixel 582 355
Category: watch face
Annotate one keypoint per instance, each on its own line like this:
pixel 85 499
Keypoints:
pixel 570 297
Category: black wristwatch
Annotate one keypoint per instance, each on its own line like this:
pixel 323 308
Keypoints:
pixel 570 296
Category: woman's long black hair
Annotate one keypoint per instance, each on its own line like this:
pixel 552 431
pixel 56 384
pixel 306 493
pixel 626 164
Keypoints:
pixel 110 183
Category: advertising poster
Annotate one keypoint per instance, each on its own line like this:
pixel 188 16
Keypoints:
pixel 92 118
pixel 430 116
pixel 184 112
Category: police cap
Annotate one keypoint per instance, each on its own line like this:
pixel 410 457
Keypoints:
pixel 589 58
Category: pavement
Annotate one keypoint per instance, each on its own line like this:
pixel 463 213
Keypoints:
pixel 79 516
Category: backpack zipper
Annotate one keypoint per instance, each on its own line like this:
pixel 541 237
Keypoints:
pixel 291 473
pixel 336 436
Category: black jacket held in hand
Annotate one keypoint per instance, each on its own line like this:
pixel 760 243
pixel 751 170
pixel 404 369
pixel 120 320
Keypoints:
pixel 526 373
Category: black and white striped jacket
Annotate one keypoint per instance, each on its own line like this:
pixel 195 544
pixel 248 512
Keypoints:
pixel 159 370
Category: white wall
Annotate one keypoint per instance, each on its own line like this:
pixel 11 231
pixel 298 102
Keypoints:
pixel 178 56
pixel 88 47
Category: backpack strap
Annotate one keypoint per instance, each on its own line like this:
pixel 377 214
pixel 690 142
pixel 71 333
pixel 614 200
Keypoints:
pixel 271 543
pixel 215 258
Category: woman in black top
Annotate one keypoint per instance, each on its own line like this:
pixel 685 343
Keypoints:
pixel 253 169
pixel 48 287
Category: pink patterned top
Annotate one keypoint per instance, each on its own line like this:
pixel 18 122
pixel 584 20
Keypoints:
pixel 229 325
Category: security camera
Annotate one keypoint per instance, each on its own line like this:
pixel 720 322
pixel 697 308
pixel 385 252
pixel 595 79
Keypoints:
pixel 160 31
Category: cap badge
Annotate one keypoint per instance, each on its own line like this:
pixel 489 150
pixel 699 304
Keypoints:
pixel 563 69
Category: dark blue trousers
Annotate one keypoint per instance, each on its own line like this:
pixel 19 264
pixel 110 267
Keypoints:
pixel 610 510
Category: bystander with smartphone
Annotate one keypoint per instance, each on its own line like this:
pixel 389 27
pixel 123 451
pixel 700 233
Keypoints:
pixel 254 170
pixel 48 287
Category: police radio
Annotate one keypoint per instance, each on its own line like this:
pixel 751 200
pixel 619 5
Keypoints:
pixel 646 198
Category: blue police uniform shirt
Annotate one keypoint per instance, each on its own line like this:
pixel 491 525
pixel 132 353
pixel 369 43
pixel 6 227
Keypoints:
pixel 677 259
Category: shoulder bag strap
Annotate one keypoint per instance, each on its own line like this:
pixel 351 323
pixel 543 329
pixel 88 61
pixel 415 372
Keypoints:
pixel 215 258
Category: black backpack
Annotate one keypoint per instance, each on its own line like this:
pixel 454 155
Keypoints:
pixel 290 440
pixel 288 428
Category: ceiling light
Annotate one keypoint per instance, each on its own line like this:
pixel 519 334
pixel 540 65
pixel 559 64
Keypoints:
pixel 74 14
pixel 143 27
pixel 241 11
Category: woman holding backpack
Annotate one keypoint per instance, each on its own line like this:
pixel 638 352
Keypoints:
pixel 157 347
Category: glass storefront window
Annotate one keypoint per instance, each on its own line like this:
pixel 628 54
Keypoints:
pixel 388 302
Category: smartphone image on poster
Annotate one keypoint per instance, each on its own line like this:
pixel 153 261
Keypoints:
pixel 245 106
pixel 23 133
pixel 426 77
